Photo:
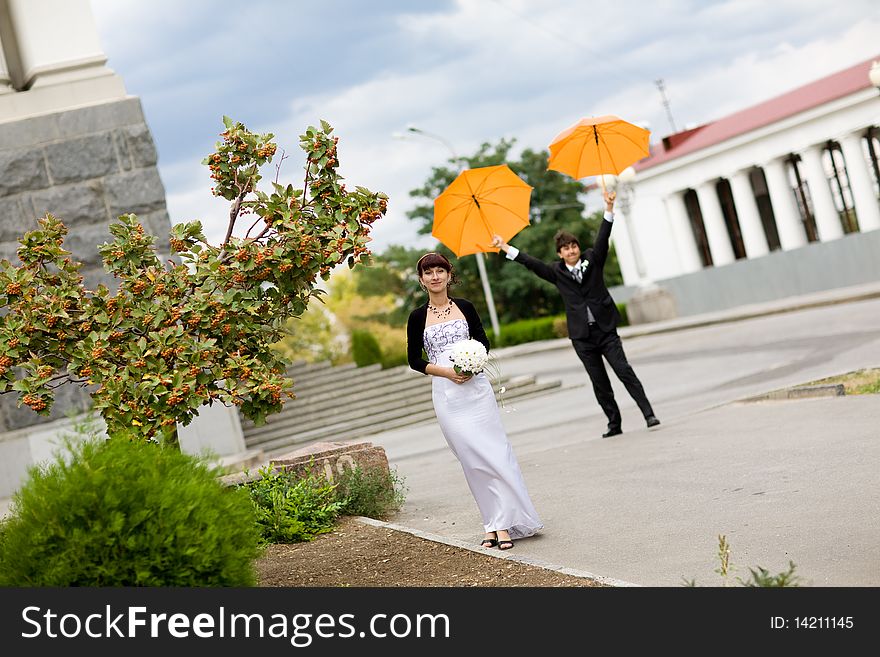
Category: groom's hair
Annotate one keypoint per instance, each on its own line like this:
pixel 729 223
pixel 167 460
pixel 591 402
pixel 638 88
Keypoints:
pixel 564 238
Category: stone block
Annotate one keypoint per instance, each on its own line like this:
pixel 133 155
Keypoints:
pixel 83 158
pixel 9 251
pixel 78 203
pixel 157 224
pixel 122 150
pixel 140 145
pixel 21 171
pixel 28 133
pixel 651 303
pixel 214 431
pixel 83 240
pixel 16 217
pixel 98 118
pixel 329 459
pixel 68 398
pixel 139 191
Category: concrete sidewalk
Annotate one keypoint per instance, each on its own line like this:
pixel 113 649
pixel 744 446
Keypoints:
pixel 784 481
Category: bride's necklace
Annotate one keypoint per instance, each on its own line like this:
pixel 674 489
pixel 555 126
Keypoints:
pixel 441 313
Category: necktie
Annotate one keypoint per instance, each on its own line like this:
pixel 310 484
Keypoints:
pixel 577 274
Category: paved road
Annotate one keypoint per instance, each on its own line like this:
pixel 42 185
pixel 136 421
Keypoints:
pixel 785 480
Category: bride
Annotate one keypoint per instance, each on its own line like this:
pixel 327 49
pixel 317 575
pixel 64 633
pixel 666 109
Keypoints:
pixel 466 408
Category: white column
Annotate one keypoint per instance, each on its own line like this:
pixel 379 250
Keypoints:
pixel 626 256
pixel 57 41
pixel 826 214
pixel 682 233
pixel 713 220
pixel 750 224
pixel 5 79
pixel 788 220
pixel 867 208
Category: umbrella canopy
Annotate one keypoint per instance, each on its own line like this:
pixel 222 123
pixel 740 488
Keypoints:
pixel 605 144
pixel 479 204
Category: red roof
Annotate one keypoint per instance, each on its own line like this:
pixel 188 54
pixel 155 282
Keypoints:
pixel 824 90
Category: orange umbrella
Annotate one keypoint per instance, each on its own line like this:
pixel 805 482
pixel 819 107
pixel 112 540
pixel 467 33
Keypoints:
pixel 605 144
pixel 478 204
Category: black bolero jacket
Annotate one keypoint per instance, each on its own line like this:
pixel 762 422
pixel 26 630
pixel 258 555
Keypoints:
pixel 415 331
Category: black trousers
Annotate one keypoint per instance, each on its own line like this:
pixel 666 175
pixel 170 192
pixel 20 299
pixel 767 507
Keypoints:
pixel 590 350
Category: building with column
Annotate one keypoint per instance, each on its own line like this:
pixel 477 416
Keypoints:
pixel 778 199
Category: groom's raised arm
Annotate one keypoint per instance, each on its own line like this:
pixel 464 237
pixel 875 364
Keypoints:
pixel 534 265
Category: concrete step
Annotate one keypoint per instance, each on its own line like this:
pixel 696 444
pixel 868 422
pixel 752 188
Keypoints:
pixel 288 431
pixel 320 372
pixel 351 378
pixel 330 402
pixel 370 401
pixel 283 445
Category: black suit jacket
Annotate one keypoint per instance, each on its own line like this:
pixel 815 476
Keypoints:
pixel 590 292
pixel 415 331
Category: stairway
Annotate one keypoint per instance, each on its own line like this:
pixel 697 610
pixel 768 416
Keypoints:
pixel 346 402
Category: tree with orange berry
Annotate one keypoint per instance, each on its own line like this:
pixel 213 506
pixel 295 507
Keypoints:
pixel 175 336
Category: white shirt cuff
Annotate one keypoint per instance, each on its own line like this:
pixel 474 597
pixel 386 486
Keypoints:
pixel 609 217
pixel 512 252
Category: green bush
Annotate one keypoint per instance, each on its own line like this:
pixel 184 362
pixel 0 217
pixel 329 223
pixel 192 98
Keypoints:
pixel 374 493
pixel 119 513
pixel 540 328
pixel 624 318
pixel 292 509
pixel 394 358
pixel 525 330
pixel 365 349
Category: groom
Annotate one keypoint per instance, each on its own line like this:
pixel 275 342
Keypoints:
pixel 591 314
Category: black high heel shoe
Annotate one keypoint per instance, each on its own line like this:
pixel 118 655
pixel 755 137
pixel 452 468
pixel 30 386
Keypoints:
pixel 505 544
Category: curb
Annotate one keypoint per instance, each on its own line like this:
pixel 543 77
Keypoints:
pixel 800 392
pixel 528 561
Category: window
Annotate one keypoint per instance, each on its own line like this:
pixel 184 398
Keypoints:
pixel 834 163
pixel 802 198
pixel 692 204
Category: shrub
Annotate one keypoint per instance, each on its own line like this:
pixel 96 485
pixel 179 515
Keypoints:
pixel 624 318
pixel 394 358
pixel 525 330
pixel 292 509
pixel 120 513
pixel 365 348
pixel 375 493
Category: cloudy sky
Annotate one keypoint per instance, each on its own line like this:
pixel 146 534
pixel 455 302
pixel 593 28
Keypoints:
pixel 467 71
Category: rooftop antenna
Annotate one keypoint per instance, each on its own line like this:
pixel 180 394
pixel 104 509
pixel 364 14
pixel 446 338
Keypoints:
pixel 662 88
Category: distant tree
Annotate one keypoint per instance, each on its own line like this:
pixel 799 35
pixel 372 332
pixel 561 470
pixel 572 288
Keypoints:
pixel 174 337
pixel 356 311
pixel 314 337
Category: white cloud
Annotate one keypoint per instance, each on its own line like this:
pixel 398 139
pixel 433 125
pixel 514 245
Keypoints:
pixel 470 70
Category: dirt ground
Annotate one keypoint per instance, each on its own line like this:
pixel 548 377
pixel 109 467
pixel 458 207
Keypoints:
pixel 357 554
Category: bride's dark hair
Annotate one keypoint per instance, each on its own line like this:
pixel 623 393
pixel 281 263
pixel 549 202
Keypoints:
pixel 433 259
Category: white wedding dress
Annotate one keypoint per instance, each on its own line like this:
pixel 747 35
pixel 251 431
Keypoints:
pixel 471 424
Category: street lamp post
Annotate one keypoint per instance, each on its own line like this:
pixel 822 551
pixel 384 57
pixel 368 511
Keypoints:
pixel 481 263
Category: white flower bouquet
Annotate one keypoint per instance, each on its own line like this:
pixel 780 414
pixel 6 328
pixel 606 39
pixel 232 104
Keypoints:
pixel 469 357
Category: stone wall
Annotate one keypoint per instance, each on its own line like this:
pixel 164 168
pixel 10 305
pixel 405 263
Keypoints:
pixel 86 166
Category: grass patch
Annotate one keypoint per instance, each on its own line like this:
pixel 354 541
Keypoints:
pixel 860 382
